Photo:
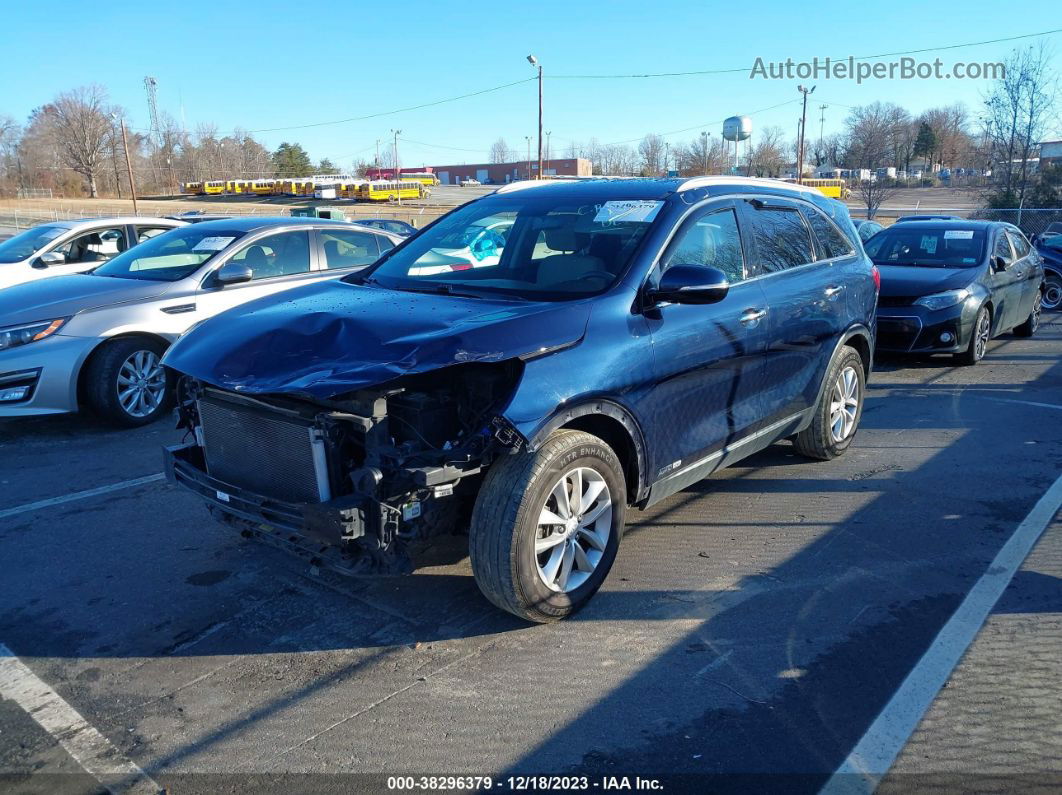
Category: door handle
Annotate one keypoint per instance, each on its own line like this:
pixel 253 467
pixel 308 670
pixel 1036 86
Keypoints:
pixel 750 317
pixel 832 291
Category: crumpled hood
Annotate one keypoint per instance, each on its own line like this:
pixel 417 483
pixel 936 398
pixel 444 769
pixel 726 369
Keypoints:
pixel 910 280
pixel 331 337
pixel 63 296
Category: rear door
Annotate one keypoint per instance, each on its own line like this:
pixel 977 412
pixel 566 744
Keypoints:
pixel 350 249
pixel 1029 269
pixel 804 284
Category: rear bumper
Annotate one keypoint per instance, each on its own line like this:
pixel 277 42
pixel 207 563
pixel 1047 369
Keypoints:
pixel 333 522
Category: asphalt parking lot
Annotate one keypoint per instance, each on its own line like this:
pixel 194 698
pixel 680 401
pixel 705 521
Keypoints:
pixel 754 624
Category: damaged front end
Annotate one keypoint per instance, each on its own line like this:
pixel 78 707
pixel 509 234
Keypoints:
pixel 368 473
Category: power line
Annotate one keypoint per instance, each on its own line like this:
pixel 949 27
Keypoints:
pixel 739 69
pixel 440 146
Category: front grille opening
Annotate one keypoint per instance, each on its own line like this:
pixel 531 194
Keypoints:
pixel 271 455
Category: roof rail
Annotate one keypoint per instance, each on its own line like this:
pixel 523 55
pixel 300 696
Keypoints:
pixel 522 184
pixel 706 182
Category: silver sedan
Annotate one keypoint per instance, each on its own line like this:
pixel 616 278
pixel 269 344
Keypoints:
pixel 97 339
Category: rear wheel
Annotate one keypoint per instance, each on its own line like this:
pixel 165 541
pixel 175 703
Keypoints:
pixel 126 384
pixel 546 526
pixel 982 333
pixel 1028 328
pixel 839 409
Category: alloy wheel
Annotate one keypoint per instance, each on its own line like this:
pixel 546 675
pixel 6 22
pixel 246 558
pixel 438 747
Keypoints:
pixel 573 529
pixel 141 384
pixel 981 335
pixel 844 404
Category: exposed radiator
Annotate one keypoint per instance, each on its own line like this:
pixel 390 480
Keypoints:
pixel 272 455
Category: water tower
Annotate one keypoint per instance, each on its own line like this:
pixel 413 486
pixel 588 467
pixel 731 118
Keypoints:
pixel 738 129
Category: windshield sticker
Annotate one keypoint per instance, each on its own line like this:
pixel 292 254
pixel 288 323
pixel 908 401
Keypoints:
pixel 929 244
pixel 212 243
pixel 958 234
pixel 627 212
pixel 968 259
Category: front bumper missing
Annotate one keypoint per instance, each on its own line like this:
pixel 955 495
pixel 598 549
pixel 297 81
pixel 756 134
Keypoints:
pixel 334 522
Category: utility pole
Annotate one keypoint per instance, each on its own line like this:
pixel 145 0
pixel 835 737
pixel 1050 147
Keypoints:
pixel 822 124
pixel 803 126
pixel 534 63
pixel 704 139
pixel 396 133
pixel 129 167
pixel 377 158
pixel 549 152
pixel 528 139
pixel 667 151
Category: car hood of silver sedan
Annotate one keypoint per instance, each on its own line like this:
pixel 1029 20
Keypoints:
pixel 63 296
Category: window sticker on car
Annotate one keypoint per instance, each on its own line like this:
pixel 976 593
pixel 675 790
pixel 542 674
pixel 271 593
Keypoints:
pixel 928 244
pixel 968 260
pixel 212 243
pixel 627 212
pixel 958 234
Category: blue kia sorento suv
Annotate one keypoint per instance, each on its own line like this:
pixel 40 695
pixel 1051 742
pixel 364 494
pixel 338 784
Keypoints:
pixel 528 368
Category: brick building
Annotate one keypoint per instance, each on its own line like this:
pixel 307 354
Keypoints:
pixel 500 173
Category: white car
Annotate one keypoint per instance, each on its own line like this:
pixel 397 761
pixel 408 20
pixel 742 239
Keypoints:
pixel 64 247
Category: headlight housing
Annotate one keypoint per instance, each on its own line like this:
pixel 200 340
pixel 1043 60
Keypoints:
pixel 943 300
pixel 13 336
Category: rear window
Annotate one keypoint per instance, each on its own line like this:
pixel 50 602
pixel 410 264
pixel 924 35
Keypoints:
pixel 936 247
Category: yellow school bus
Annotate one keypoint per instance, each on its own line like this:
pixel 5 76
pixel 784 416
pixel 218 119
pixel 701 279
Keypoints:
pixel 261 187
pixel 384 190
pixel 349 190
pixel 834 188
pixel 214 187
pixel 192 188
pixel 423 177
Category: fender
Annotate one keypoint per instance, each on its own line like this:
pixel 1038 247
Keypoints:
pixel 612 410
pixel 858 330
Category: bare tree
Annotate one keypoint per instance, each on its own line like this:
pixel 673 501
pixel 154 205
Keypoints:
pixel 875 192
pixel 1018 111
pixel 651 150
pixel 499 152
pixel 768 153
pixel 82 120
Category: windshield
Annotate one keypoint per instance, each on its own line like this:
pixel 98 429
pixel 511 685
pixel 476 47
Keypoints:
pixel 25 244
pixel 538 248
pixel 938 247
pixel 170 256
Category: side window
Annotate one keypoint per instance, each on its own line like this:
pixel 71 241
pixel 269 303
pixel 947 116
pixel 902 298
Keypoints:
pixel 385 243
pixel 147 232
pixel 831 241
pixel 782 238
pixel 1002 248
pixel 1021 245
pixel 713 241
pixel 282 254
pixel 348 249
pixel 96 246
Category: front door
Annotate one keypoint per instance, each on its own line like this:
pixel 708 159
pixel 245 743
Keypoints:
pixel 706 356
pixel 1007 284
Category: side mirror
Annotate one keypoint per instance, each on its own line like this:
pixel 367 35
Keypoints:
pixel 999 264
pixel 49 258
pixel 691 284
pixel 233 273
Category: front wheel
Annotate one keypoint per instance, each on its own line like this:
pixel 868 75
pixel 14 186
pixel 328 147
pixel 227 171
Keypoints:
pixel 126 384
pixel 838 411
pixel 1052 297
pixel 546 526
pixel 982 333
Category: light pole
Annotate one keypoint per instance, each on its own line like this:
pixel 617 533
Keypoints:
pixel 704 138
pixel 535 64
pixel 396 133
pixel 549 151
pixel 803 125
pixel 667 151
pixel 528 139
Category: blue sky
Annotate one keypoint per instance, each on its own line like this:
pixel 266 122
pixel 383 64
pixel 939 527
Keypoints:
pixel 268 64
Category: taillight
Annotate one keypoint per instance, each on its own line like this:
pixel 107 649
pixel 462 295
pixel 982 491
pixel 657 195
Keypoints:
pixel 877 278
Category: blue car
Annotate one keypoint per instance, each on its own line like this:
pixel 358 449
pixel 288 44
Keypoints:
pixel 623 339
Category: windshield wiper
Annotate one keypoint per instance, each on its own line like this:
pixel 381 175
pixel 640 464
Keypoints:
pixel 436 289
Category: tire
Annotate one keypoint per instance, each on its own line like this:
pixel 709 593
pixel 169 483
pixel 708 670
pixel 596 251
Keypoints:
pixel 979 337
pixel 1052 300
pixel 119 359
pixel 1032 322
pixel 515 495
pixel 839 409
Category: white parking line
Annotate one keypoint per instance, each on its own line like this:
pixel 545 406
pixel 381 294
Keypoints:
pixel 79 495
pixel 875 752
pixel 85 744
pixel 1026 403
